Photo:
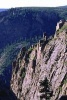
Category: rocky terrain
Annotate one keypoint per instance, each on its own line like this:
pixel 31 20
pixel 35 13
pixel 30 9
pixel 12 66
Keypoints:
pixel 24 26
pixel 40 73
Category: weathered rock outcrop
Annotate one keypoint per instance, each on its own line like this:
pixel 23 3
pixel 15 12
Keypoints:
pixel 41 72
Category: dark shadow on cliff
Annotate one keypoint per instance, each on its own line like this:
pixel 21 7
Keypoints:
pixel 6 93
pixel 64 97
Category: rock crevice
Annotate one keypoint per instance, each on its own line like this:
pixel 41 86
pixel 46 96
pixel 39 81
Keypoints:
pixel 44 70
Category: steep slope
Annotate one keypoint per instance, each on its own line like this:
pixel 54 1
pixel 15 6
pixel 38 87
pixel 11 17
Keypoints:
pixel 6 58
pixel 6 93
pixel 26 25
pixel 41 72
pixel 22 24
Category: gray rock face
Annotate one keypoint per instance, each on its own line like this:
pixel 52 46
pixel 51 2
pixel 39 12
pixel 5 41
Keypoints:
pixel 42 75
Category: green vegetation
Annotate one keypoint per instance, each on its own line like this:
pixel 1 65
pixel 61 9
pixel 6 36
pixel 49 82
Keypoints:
pixel 23 27
pixel 60 88
pixel 30 49
pixel 64 27
pixel 47 89
pixel 23 75
pixel 63 83
pixel 65 63
pixel 9 53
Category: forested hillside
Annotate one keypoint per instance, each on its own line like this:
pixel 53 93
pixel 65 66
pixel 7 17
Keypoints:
pixel 22 27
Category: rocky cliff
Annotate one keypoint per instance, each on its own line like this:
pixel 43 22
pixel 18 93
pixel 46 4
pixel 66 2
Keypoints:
pixel 40 73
